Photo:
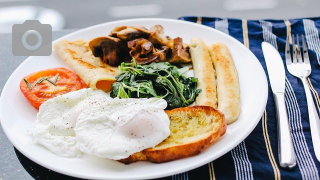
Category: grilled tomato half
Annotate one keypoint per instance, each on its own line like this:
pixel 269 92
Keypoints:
pixel 40 86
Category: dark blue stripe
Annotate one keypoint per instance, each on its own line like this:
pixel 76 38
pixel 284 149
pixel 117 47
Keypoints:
pixel 224 167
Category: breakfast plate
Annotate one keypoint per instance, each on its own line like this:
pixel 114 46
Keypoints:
pixel 17 115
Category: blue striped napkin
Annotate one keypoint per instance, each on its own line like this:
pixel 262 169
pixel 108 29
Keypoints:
pixel 257 156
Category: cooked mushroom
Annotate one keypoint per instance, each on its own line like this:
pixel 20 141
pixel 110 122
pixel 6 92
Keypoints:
pixel 161 53
pixel 114 32
pixel 144 52
pixel 180 54
pixel 111 50
pixel 157 36
pixel 130 33
pixel 146 46
pixel 140 45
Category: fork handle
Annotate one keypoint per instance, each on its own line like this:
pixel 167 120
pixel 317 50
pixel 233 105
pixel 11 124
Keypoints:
pixel 313 119
pixel 286 153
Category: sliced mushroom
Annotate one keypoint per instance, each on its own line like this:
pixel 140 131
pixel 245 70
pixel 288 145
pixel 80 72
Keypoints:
pixel 141 46
pixel 144 52
pixel 114 32
pixel 144 45
pixel 157 36
pixel 130 33
pixel 111 50
pixel 161 53
pixel 180 53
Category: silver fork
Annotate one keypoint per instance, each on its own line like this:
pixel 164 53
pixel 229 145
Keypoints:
pixel 299 66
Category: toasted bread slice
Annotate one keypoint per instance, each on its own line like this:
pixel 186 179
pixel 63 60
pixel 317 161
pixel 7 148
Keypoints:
pixel 192 130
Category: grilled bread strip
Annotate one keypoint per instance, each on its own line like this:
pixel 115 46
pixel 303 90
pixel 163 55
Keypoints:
pixel 228 88
pixel 192 130
pixel 204 71
pixel 79 58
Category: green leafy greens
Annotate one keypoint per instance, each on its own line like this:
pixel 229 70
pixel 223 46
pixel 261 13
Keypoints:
pixel 161 80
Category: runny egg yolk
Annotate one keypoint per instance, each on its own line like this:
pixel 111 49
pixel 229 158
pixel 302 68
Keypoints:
pixel 141 125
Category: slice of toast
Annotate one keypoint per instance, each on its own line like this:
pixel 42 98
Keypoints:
pixel 192 130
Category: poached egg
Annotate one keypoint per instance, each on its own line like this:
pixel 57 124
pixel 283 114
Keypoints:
pixel 90 121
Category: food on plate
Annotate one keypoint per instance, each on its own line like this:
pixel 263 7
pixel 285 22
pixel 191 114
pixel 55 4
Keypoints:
pixel 204 71
pixel 143 51
pixel 57 118
pixel 90 121
pixel 111 50
pixel 147 115
pixel 228 88
pixel 180 51
pixel 192 130
pixel 127 33
pixel 142 44
pixel 106 131
pixel 161 80
pixel 42 85
pixel 78 56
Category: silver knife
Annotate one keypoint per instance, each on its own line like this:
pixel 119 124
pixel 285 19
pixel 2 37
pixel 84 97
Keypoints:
pixel 276 73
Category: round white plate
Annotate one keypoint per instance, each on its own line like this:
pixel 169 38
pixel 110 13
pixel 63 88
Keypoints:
pixel 18 116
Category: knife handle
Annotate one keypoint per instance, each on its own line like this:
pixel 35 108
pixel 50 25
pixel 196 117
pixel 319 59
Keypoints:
pixel 286 153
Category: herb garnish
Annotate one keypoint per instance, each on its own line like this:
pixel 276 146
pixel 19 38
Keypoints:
pixel 54 80
pixel 161 80
pixel 28 84
pixel 40 80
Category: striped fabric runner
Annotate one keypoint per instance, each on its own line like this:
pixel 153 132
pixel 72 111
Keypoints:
pixel 257 156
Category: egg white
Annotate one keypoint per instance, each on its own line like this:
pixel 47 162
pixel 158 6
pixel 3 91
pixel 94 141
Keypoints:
pixel 118 128
pixel 89 121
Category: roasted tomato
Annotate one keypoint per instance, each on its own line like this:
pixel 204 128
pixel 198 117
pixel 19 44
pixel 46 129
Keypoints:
pixel 45 84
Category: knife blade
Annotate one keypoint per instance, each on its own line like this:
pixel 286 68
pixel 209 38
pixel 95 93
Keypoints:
pixel 277 76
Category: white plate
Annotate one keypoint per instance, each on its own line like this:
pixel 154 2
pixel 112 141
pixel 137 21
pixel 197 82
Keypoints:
pixel 18 116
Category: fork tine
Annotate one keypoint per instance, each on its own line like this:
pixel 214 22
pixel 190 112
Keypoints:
pixel 288 55
pixel 305 51
pixel 299 58
pixel 294 51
